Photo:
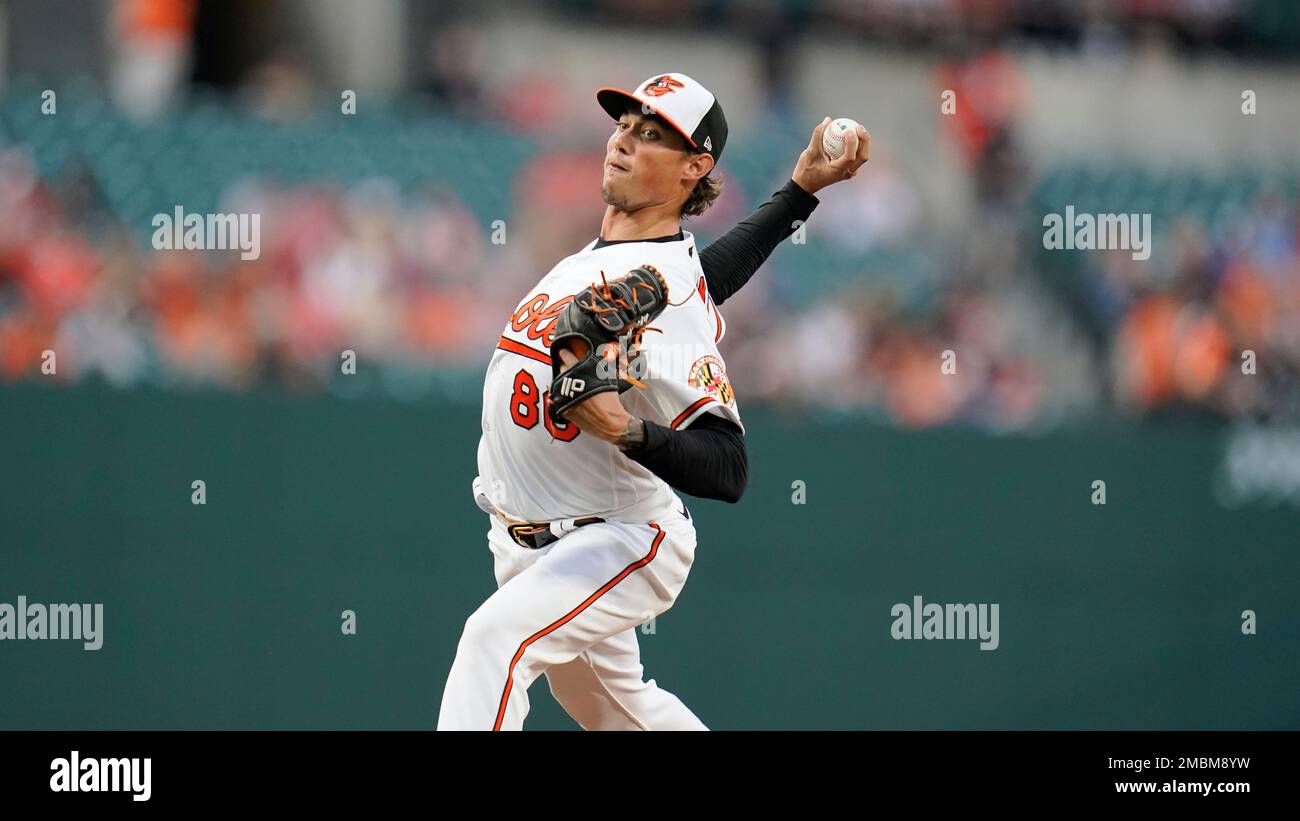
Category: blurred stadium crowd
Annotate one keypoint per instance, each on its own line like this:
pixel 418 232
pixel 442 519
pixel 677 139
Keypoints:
pixel 407 235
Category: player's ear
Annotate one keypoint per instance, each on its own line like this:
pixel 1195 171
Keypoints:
pixel 698 167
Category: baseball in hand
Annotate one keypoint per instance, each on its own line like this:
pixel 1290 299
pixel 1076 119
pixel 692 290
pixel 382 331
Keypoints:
pixel 833 138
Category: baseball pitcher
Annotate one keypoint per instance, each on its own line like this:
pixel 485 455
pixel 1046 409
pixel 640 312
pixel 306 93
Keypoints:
pixel 605 395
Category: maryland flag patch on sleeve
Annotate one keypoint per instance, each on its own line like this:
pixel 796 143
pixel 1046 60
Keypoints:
pixel 709 375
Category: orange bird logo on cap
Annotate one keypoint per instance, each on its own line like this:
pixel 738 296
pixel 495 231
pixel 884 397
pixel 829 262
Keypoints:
pixel 660 86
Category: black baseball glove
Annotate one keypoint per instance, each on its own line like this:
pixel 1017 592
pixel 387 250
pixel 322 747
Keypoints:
pixel 603 325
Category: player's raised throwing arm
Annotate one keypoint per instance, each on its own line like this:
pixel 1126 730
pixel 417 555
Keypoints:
pixel 730 261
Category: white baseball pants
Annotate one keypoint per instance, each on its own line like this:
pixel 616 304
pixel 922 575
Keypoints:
pixel 570 610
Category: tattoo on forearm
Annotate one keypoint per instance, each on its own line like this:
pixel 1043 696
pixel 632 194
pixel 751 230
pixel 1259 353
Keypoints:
pixel 633 436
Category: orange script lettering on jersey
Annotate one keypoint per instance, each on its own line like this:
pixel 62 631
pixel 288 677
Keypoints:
pixel 537 317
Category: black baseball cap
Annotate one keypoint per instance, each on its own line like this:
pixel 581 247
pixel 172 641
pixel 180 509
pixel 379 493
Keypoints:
pixel 684 104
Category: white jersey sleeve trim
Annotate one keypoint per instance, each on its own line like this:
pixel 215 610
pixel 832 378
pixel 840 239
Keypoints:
pixel 706 404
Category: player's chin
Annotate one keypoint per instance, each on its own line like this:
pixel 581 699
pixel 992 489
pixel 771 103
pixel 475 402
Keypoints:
pixel 614 192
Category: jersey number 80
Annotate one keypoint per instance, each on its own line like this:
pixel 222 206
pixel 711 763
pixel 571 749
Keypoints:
pixel 525 408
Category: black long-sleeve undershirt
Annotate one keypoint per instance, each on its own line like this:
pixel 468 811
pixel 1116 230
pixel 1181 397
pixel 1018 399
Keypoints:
pixel 707 459
pixel 733 258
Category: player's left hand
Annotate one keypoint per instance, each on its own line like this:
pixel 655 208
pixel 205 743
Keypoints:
pixel 601 326
pixel 814 171
pixel 601 415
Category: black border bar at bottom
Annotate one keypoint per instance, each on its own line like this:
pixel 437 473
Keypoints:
pixel 331 768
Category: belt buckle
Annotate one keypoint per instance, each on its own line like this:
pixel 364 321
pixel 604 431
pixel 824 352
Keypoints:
pixel 525 534
pixel 536 535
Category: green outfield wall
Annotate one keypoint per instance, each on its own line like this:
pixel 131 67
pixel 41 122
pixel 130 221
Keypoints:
pixel 228 614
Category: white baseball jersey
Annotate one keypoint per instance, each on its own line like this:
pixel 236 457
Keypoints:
pixel 537 471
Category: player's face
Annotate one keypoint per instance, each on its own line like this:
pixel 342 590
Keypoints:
pixel 645 161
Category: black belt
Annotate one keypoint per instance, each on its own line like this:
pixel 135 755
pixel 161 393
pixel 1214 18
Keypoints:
pixel 536 535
